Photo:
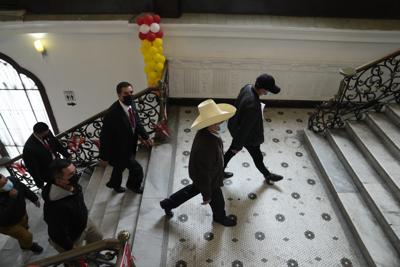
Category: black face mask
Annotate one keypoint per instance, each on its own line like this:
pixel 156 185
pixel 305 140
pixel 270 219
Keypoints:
pixel 127 100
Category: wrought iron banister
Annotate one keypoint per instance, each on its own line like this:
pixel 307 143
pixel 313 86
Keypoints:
pixel 82 140
pixel 367 87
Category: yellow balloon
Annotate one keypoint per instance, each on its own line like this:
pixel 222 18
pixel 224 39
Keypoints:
pixel 158 42
pixel 147 57
pixel 153 50
pixel 159 67
pixel 147 69
pixel 152 75
pixel 151 64
pixel 160 50
pixel 146 43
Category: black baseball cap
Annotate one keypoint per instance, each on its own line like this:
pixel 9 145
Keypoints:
pixel 267 82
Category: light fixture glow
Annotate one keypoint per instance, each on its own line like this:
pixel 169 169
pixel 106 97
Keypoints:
pixel 39 46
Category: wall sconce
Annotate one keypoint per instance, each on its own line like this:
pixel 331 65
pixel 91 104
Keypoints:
pixel 39 46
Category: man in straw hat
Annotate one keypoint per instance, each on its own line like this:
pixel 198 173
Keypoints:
pixel 246 127
pixel 206 163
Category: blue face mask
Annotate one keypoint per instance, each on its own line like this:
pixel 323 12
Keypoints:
pixel 223 127
pixel 8 186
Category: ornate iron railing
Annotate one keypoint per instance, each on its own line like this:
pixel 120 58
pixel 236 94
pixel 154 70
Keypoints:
pixel 82 140
pixel 368 87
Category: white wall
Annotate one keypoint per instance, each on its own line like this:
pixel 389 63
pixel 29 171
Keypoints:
pixel 88 58
pixel 217 60
pixel 206 60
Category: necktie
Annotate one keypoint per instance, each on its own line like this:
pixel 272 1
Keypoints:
pixel 48 147
pixel 132 118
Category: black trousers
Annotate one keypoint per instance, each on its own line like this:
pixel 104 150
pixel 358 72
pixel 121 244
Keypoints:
pixel 256 155
pixel 217 200
pixel 135 177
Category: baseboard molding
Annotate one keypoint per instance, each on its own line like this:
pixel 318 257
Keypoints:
pixel 269 103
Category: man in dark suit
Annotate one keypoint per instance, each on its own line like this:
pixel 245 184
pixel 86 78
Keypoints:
pixel 39 151
pixel 118 140
pixel 206 164
pixel 246 127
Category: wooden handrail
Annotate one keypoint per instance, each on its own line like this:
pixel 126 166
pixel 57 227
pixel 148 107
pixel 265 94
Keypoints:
pixel 105 244
pixel 372 63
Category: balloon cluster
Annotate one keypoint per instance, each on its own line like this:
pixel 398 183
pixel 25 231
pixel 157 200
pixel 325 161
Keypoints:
pixel 152 46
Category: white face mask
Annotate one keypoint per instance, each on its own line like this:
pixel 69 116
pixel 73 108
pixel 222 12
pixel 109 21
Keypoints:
pixel 8 186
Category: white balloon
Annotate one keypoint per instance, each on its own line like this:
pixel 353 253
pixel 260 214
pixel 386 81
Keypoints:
pixel 155 27
pixel 144 28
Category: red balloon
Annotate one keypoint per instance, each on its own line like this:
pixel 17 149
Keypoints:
pixel 156 18
pixel 159 34
pixel 142 36
pixel 148 19
pixel 151 36
pixel 139 20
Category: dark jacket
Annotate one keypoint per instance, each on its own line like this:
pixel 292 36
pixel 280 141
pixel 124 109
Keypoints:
pixel 117 140
pixel 246 127
pixel 65 213
pixel 37 158
pixel 206 162
pixel 13 209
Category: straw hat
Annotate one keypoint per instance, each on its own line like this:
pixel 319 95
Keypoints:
pixel 211 113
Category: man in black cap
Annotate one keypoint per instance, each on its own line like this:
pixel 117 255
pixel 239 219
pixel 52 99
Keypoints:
pixel 40 150
pixel 246 127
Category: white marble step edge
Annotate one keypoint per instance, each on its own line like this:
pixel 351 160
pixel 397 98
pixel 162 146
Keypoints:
pixel 130 205
pixel 376 248
pixel 103 193
pixel 149 234
pixel 393 112
pixel 381 159
pixel 388 131
pixel 375 192
pixel 93 185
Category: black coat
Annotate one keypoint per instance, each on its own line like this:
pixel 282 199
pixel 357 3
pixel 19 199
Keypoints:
pixel 37 158
pixel 66 215
pixel 246 127
pixel 206 163
pixel 13 209
pixel 118 142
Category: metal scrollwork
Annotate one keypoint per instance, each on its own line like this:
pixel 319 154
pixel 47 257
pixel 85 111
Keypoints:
pixel 83 140
pixel 369 88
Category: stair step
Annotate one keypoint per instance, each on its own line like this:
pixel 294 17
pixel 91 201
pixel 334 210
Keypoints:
pixel 377 249
pixel 386 130
pixel 378 197
pixel 393 112
pixel 103 194
pixel 130 205
pixel 383 161
pixel 93 185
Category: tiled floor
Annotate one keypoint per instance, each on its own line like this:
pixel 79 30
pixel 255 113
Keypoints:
pixel 293 223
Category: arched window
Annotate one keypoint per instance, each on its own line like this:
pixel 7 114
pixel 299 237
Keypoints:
pixel 23 102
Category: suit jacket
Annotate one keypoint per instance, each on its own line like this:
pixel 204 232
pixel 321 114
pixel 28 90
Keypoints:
pixel 246 126
pixel 118 142
pixel 206 163
pixel 37 158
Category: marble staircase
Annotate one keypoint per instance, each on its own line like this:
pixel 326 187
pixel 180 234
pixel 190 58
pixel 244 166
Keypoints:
pixel 361 166
pixel 111 212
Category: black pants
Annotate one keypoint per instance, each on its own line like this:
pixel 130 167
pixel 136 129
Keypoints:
pixel 135 177
pixel 217 200
pixel 255 153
